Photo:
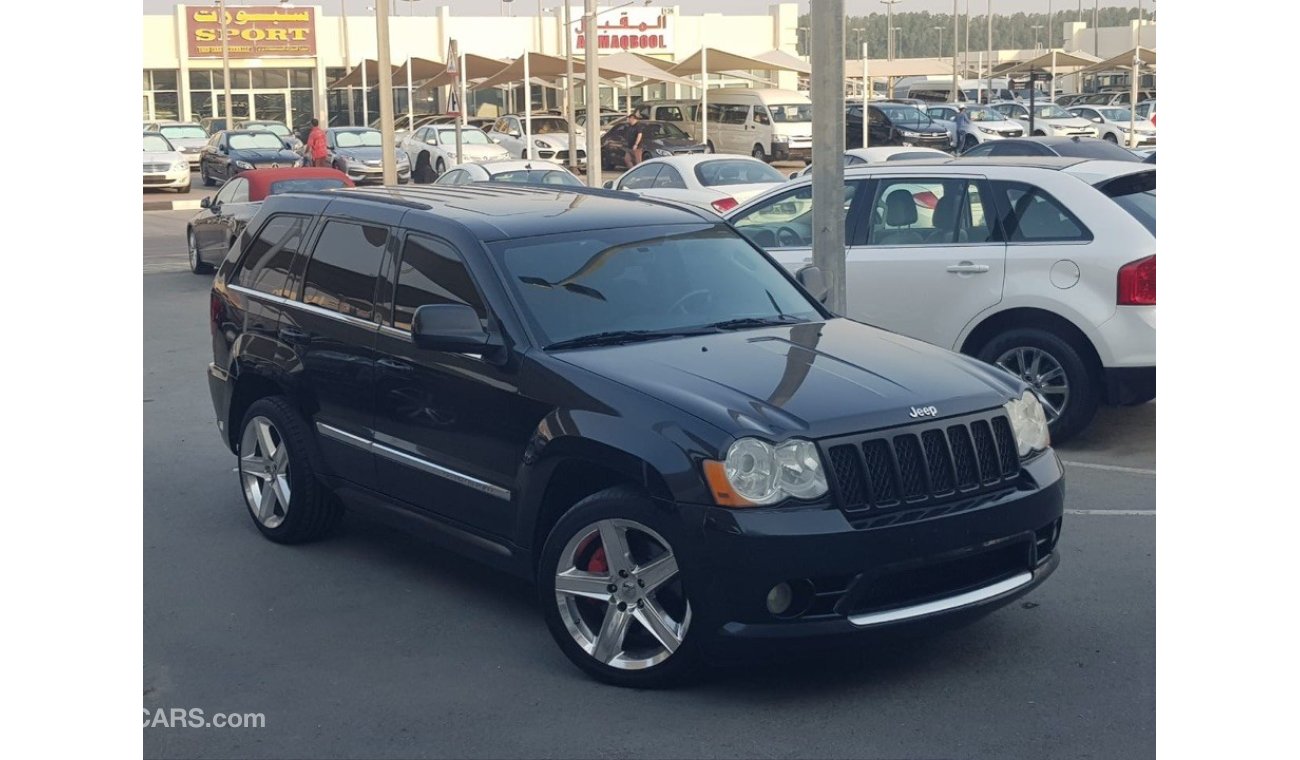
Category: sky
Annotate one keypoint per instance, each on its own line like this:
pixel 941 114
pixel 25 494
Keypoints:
pixel 692 7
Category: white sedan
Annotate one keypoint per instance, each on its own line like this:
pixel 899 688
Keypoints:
pixel 718 182
pixel 432 149
pixel 859 156
pixel 164 166
pixel 511 170
pixel 1113 122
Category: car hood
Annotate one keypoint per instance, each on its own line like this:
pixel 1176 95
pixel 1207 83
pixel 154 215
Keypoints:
pixel 558 139
pixel 1072 121
pixel 477 151
pixel 188 142
pixel 162 156
pixel 813 380
pixel 675 143
pixel 283 155
pixel 366 153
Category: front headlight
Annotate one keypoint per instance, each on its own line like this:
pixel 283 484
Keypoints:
pixel 1125 130
pixel 243 165
pixel 662 152
pixel 1029 423
pixel 905 133
pixel 780 138
pixel 541 143
pixel 987 131
pixel 757 473
pixel 180 166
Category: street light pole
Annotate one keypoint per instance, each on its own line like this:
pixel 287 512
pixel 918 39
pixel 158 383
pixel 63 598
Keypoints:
pixel 225 63
pixel 889 28
pixel 386 140
pixel 990 50
pixel 591 61
pixel 954 52
pixel 827 36
pixel 347 59
pixel 568 87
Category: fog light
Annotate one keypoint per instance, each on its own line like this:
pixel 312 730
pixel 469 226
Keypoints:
pixel 780 598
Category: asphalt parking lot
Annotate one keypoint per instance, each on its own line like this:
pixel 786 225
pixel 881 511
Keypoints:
pixel 373 644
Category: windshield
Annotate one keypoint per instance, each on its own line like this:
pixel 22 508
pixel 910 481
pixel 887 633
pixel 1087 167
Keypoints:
pixel 1051 111
pixel 296 185
pixel 735 172
pixel 791 113
pixel 273 127
pixel 358 138
pixel 665 131
pixel 467 137
pixel 1116 114
pixel 905 114
pixel 657 278
pixel 537 177
pixel 254 141
pixel 156 144
pixel 184 132
pixel 981 113
pixel 549 126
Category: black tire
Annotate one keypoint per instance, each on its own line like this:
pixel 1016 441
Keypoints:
pixel 708 147
pixel 313 511
pixel 440 169
pixel 621 503
pixel 1039 133
pixel 203 174
pixel 759 153
pixel 1083 379
pixel 1110 138
pixel 968 143
pixel 197 264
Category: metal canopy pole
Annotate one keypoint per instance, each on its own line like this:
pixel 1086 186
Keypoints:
pixel 867 89
pixel 386 137
pixel 225 63
pixel 955 26
pixel 990 50
pixel 592 62
pixel 827 35
pixel 704 96
pixel 568 87
pixel 528 107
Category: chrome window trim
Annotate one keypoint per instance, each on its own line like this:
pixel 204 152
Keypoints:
pixel 410 460
pixel 942 605
pixel 309 307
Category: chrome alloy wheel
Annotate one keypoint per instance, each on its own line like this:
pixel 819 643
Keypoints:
pixel 264 470
pixel 1042 371
pixel 194 251
pixel 619 592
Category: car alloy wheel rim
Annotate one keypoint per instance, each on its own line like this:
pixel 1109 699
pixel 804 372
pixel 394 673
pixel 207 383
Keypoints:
pixel 194 251
pixel 1042 371
pixel 264 470
pixel 620 595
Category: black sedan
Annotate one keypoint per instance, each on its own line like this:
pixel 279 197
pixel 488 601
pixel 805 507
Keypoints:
pixel 900 124
pixel 1070 147
pixel 231 152
pixel 661 139
pixel 278 128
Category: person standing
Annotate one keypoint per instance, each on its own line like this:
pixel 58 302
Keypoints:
pixel 635 137
pixel 963 127
pixel 316 150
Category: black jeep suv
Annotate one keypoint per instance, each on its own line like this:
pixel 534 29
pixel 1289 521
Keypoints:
pixel 629 403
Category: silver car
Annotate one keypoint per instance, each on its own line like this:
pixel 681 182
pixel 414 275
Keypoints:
pixel 986 124
pixel 187 137
pixel 1114 123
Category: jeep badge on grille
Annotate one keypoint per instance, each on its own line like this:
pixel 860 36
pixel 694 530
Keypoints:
pixel 923 411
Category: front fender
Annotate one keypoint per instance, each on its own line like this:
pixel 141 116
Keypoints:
pixel 663 459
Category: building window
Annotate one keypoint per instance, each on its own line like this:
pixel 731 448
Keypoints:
pixel 160 88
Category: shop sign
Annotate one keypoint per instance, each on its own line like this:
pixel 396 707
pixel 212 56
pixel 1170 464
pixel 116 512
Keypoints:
pixel 272 31
pixel 634 29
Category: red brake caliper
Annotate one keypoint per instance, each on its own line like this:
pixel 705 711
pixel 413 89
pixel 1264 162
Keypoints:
pixel 598 563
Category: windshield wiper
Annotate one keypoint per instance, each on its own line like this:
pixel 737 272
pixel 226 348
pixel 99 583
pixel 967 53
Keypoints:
pixel 745 322
pixel 619 337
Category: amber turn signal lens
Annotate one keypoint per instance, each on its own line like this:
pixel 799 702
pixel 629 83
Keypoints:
pixel 715 473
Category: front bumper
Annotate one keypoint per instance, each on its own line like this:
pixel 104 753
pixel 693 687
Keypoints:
pixel 174 178
pixel 556 156
pixel 375 175
pixel 938 142
pixel 791 152
pixel 860 581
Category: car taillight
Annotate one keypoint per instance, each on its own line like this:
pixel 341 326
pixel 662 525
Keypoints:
pixel 1137 283
pixel 723 205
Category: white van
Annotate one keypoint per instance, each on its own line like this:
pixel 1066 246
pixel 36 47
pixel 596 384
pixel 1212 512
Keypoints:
pixel 939 89
pixel 770 125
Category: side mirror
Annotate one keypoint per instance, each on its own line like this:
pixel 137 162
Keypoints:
pixel 814 281
pixel 206 202
pixel 794 175
pixel 451 327
pixel 609 184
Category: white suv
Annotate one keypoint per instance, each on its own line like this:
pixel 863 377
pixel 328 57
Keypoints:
pixel 1044 266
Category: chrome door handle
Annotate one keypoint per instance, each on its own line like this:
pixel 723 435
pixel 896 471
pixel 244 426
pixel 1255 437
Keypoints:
pixel 968 268
pixel 394 365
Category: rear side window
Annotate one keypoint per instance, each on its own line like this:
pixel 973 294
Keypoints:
pixel 432 272
pixel 343 268
pixel 734 114
pixel 1033 216
pixel 670 113
pixel 266 264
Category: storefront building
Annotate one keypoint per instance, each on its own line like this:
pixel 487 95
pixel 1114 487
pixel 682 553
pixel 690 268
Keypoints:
pixel 284 57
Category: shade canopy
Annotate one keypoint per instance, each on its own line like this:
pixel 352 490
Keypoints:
pixel 476 67
pixel 786 61
pixel 1147 56
pixel 1063 60
pixel 371 76
pixel 639 66
pixel 421 69
pixel 539 65
pixel 899 67
pixel 721 60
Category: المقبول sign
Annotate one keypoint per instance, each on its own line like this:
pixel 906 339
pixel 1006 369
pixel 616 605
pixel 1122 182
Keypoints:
pixel 252 32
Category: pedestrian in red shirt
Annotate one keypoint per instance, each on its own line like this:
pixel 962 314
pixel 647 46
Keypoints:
pixel 316 150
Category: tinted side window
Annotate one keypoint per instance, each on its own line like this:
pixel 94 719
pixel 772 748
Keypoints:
pixel 1032 215
pixel 344 265
pixel 670 113
pixel 269 258
pixel 669 178
pixel 432 272
pixel 240 193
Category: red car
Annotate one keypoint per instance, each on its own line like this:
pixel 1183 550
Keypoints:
pixel 213 230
